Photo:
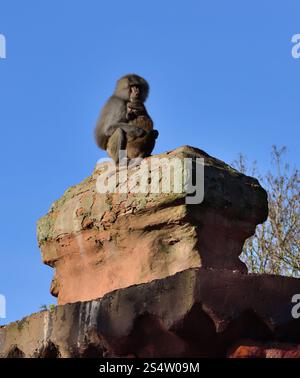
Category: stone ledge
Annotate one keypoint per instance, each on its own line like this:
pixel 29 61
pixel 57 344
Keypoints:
pixel 196 313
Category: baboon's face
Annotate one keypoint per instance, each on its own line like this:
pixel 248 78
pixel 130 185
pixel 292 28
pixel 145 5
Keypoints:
pixel 132 87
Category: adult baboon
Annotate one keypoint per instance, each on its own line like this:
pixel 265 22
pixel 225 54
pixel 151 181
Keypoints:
pixel 124 123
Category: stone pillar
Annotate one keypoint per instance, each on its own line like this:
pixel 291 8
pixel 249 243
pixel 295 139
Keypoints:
pixel 99 242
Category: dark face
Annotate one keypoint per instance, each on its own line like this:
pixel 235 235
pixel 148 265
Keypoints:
pixel 135 92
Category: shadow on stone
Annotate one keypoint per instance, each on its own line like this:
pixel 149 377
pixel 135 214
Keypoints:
pixel 248 326
pixel 50 350
pixel 92 351
pixel 15 352
pixel 149 339
pixel 199 331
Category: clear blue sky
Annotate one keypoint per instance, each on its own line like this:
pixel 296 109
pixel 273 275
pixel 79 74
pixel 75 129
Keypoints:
pixel 222 78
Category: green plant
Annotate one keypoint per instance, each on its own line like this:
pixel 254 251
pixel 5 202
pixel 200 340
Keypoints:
pixel 50 307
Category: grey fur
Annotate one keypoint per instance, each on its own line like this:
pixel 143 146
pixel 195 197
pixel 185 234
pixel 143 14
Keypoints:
pixel 138 141
pixel 113 114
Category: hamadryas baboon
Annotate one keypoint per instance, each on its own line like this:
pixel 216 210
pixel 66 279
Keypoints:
pixel 124 123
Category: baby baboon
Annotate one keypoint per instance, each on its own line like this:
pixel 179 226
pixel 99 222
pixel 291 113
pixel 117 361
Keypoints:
pixel 124 122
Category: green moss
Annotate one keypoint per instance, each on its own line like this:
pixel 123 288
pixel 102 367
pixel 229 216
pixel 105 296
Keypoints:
pixel 45 227
pixel 21 324
pixel 108 202
pixel 169 198
pixel 68 194
pixel 51 307
pixel 140 201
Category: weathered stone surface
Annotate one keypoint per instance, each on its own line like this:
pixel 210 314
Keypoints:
pixel 197 312
pixel 101 242
pixel 255 349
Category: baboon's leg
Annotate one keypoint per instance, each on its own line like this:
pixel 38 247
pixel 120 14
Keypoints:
pixel 149 143
pixel 116 143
